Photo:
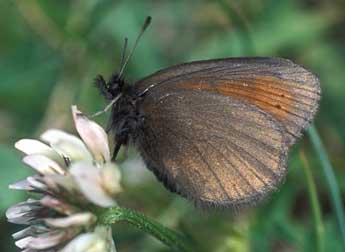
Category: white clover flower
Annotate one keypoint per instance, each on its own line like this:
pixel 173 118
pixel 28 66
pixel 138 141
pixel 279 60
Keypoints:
pixel 99 241
pixel 73 176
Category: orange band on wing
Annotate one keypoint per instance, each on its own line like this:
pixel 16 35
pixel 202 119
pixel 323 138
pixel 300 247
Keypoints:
pixel 289 102
pixel 273 98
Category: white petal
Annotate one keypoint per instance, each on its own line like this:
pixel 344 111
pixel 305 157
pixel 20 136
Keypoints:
pixel 31 147
pixel 111 178
pixel 91 242
pixel 112 247
pixel 35 182
pixel 24 212
pixel 47 240
pixel 67 145
pixel 30 231
pixel 43 164
pixel 80 219
pixel 21 185
pixel 29 184
pixel 93 135
pixel 24 243
pixel 23 233
pixel 83 243
pixel 58 183
pixel 58 205
pixel 89 181
pixel 106 232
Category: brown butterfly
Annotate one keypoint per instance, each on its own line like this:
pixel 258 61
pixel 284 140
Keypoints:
pixel 215 131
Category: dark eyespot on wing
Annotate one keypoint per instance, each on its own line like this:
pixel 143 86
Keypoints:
pixel 213 149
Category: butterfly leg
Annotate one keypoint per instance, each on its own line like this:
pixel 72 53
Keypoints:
pixel 121 139
pixel 111 103
pixel 116 151
pixel 102 86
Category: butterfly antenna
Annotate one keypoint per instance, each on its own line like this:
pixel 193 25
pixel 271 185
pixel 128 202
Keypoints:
pixel 124 53
pixel 146 24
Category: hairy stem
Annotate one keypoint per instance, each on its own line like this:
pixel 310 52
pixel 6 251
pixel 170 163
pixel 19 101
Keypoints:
pixel 169 237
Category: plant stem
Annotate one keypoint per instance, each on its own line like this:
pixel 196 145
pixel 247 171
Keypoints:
pixel 169 218
pixel 330 178
pixel 169 237
pixel 319 228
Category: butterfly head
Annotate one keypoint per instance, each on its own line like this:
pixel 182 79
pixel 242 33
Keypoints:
pixel 115 86
pixel 126 117
pixel 111 88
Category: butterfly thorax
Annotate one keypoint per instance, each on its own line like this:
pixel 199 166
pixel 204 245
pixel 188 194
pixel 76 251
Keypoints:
pixel 126 117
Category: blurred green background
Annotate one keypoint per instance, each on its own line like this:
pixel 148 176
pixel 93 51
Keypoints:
pixel 50 52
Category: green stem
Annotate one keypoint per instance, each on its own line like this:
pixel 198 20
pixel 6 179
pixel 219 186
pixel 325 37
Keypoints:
pixel 169 218
pixel 140 221
pixel 319 228
pixel 330 178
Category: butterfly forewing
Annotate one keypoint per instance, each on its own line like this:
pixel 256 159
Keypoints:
pixel 279 87
pixel 218 131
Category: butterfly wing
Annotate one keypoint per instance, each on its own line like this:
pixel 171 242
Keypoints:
pixel 279 87
pixel 212 149
pixel 213 131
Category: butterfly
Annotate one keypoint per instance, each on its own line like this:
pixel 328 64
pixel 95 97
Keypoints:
pixel 217 131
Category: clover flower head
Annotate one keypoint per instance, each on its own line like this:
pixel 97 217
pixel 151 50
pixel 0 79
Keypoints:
pixel 74 176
